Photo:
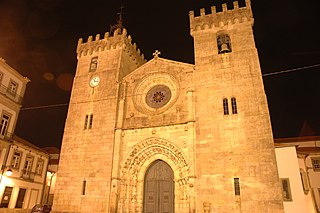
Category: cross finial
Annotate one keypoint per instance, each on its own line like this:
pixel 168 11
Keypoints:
pixel 156 54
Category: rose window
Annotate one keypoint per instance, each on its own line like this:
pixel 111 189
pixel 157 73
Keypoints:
pixel 158 96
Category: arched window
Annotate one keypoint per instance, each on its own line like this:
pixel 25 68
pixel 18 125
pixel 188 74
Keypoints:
pixel 234 105
pixel 224 43
pixel 225 107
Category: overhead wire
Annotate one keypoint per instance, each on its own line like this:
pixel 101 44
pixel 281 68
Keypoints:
pixel 263 75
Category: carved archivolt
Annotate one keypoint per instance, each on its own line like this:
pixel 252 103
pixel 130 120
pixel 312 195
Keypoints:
pixel 149 150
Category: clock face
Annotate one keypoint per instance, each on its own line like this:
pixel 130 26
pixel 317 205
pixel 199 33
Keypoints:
pixel 95 81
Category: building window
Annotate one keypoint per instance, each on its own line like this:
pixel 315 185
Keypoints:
pixel 39 167
pixel 316 164
pixel 6 197
pixel 28 165
pixel 20 199
pixel 93 64
pixel 236 182
pixel 225 107
pixel 88 121
pixel 224 43
pixel 84 185
pixel 12 88
pixel 15 162
pixel 304 180
pixel 234 105
pixel 286 191
pixel 4 124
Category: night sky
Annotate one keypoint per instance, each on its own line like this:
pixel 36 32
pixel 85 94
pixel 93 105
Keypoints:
pixel 38 38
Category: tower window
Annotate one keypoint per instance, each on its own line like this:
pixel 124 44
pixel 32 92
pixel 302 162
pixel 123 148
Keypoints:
pixel 88 121
pixel 225 107
pixel 93 64
pixel 224 43
pixel 234 105
pixel 236 182
pixel 84 186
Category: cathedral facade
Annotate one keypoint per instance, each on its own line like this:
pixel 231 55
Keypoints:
pixel 165 136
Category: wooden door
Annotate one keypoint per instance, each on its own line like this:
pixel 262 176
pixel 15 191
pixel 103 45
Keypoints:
pixel 159 189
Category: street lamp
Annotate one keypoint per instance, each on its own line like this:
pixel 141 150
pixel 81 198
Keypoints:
pixel 9 172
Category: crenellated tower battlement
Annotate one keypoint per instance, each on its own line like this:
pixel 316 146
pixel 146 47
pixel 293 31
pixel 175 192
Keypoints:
pixel 118 39
pixel 227 16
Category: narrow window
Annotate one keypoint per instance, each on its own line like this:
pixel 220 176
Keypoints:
pixel 286 191
pixel 6 197
pixel 15 162
pixel 93 64
pixel 225 107
pixel 20 199
pixel 90 121
pixel 224 43
pixel 4 124
pixel 39 167
pixel 86 121
pixel 316 164
pixel 84 185
pixel 236 182
pixel 12 88
pixel 234 105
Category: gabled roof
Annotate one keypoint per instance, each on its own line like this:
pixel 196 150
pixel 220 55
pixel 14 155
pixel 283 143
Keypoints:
pixel 156 60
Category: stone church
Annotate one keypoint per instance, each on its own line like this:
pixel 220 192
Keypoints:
pixel 166 136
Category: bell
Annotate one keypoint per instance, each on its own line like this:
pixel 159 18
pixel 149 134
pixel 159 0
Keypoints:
pixel 224 48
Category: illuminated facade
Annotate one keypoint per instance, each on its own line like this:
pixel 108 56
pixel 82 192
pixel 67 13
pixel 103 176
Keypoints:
pixel 166 136
pixel 23 188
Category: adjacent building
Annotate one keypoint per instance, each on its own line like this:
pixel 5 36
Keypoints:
pixel 23 166
pixel 23 174
pixel 166 136
pixel 54 154
pixel 13 86
pixel 298 161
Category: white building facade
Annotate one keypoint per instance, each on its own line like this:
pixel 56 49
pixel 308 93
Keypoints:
pixel 298 161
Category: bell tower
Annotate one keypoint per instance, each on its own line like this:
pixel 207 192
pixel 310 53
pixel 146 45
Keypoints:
pixel 84 177
pixel 235 159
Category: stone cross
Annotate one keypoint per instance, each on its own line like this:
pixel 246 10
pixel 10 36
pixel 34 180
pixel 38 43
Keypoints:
pixel 156 54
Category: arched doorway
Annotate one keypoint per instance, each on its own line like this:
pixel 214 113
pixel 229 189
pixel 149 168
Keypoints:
pixel 158 189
